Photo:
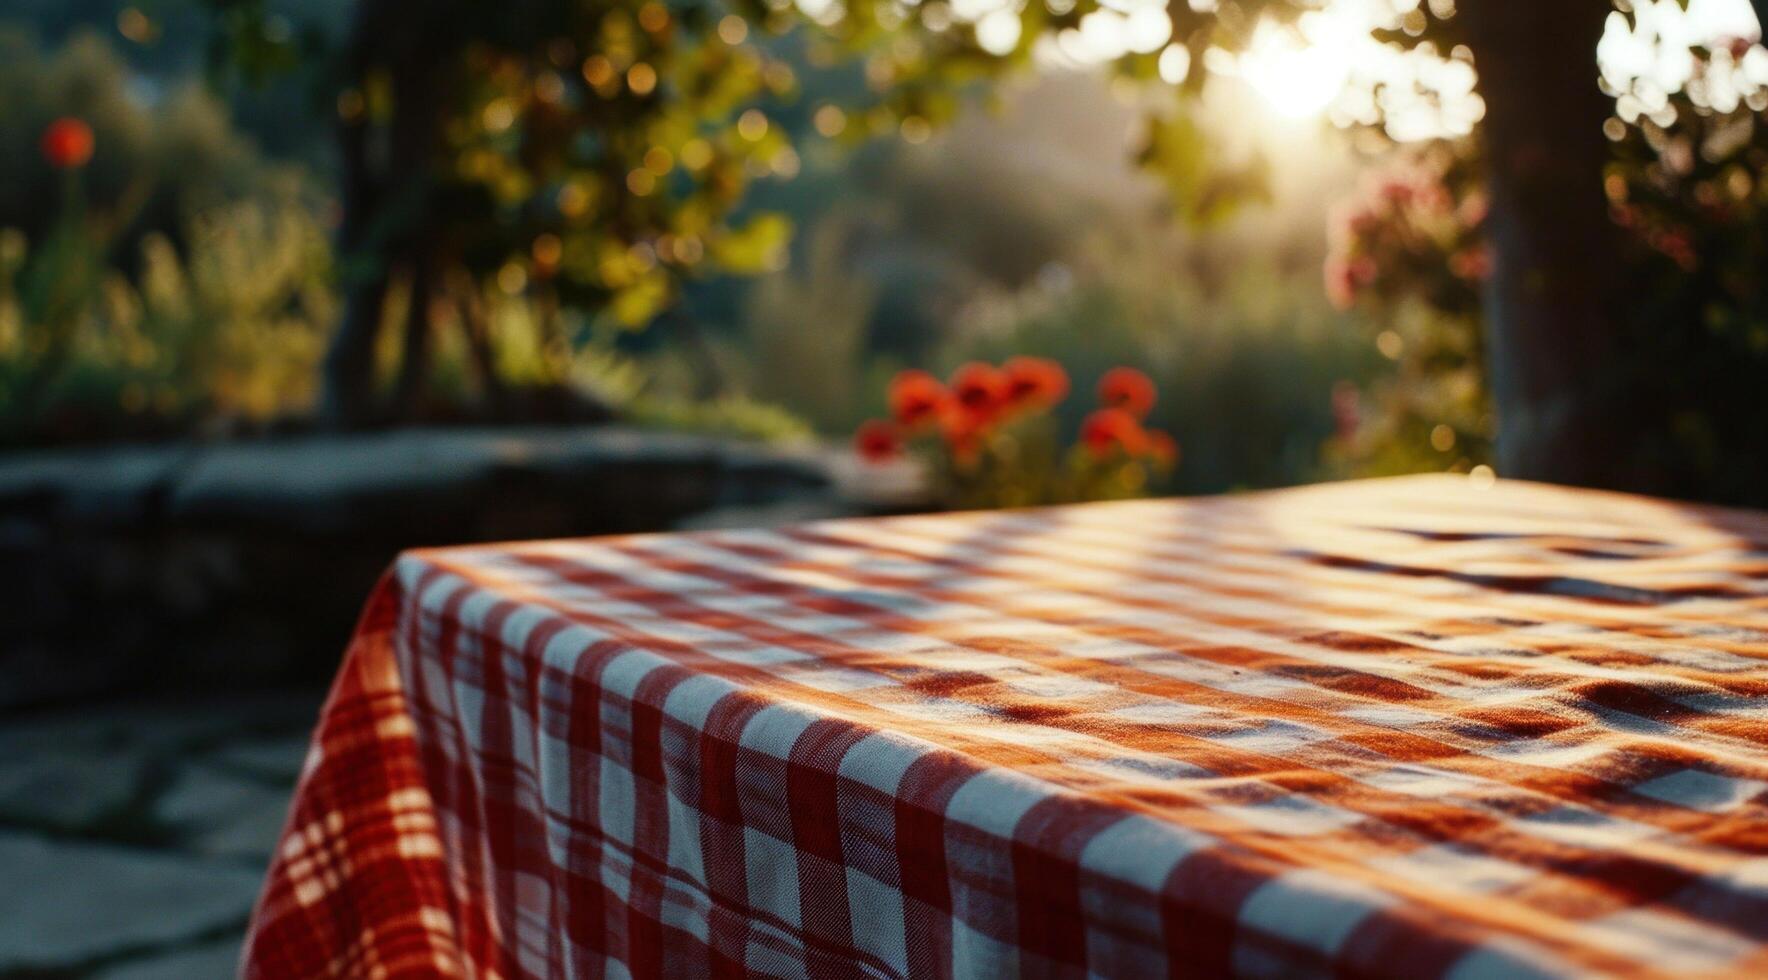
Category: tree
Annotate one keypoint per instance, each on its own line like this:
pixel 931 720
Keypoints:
pixel 1556 383
pixel 601 149
pixel 598 151
pixel 1571 390
pixel 1624 318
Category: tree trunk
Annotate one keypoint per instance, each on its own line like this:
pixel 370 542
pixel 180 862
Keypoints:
pixel 347 374
pixel 1555 346
pixel 469 310
pixel 414 365
pixel 709 379
pixel 386 200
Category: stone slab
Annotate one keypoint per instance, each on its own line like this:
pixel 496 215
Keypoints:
pixel 277 760
pixel 67 903
pixel 67 791
pixel 223 815
pixel 205 961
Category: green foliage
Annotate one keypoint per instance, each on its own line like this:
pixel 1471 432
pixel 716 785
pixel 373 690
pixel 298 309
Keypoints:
pixel 1409 247
pixel 1246 366
pixel 806 335
pixel 116 321
pixel 578 168
pixel 601 151
pixel 731 416
pixel 1687 190
pixel 1201 187
pixel 230 331
pixel 1432 412
pixel 607 148
pixel 159 159
pixel 1689 207
pixel 754 247
pixel 540 349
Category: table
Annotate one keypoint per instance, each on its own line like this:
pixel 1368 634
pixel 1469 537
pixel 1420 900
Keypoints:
pixel 1414 727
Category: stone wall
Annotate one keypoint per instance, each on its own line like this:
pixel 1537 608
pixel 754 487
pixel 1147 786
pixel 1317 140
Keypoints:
pixel 238 565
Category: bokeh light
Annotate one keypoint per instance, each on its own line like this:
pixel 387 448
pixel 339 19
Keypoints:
pixel 1327 63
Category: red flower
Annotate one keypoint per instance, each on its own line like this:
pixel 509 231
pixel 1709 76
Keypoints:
pixel 1473 263
pixel 1345 277
pixel 980 389
pixel 1434 199
pixel 1111 430
pixel 915 398
pixel 1034 382
pixel 1396 191
pixel 1675 244
pixel 1127 389
pixel 67 142
pixel 1362 224
pixel 962 431
pixel 877 441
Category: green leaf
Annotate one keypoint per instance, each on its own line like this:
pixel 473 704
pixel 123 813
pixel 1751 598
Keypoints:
pixel 754 248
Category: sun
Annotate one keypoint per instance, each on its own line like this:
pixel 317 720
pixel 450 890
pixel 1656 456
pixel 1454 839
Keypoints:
pixel 1298 73
pixel 1299 80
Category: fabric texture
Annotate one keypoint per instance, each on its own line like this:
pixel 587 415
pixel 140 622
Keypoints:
pixel 1407 728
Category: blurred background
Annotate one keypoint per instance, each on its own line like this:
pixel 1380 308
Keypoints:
pixel 286 287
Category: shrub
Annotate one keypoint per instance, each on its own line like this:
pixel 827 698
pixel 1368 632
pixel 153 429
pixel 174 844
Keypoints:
pixel 230 332
pixel 1246 356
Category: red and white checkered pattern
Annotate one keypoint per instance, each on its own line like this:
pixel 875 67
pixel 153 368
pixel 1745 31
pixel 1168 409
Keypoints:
pixel 1406 728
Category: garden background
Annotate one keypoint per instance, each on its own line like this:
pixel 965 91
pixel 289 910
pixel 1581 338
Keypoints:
pixel 287 287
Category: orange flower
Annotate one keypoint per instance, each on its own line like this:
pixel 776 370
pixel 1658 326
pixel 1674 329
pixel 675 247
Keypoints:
pixel 1128 389
pixel 1111 430
pixel 1034 382
pixel 962 431
pixel 915 398
pixel 980 389
pixel 67 143
pixel 877 441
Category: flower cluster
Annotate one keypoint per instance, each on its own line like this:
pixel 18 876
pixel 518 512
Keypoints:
pixel 977 401
pixel 991 439
pixel 1126 396
pixel 1409 248
pixel 1416 229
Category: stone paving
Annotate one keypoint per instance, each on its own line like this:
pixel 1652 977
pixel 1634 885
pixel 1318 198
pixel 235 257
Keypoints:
pixel 133 837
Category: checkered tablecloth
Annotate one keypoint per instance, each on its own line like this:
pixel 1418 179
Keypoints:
pixel 1407 728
